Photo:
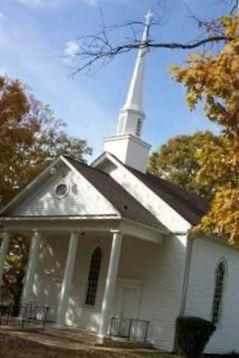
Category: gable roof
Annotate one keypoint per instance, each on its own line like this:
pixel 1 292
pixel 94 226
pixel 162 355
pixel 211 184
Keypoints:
pixel 128 207
pixel 189 206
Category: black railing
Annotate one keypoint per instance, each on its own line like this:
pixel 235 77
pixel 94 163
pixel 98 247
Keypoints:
pixel 134 329
pixel 29 314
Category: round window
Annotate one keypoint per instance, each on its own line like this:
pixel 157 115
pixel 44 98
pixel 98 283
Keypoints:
pixel 61 190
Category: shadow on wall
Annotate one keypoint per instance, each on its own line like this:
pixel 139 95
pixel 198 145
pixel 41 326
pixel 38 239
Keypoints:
pixel 81 316
pixel 49 275
pixel 79 313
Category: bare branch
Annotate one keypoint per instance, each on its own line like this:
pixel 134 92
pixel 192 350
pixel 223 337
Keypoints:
pixel 101 48
pixel 103 51
pixel 235 6
pixel 212 26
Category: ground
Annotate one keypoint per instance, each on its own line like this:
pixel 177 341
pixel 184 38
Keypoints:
pixel 34 344
pixel 15 347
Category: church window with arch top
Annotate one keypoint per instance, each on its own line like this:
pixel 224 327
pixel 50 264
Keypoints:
pixel 93 277
pixel 138 128
pixel 218 292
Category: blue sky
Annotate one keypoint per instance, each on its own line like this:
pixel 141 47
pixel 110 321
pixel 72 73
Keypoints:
pixel 35 35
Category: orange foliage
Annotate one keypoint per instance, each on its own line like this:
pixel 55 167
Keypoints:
pixel 213 79
pixel 30 137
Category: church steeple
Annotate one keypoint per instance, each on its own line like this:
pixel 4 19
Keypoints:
pixel 132 115
pixel 127 145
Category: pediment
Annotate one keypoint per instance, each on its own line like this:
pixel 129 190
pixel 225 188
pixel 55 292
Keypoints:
pixel 61 191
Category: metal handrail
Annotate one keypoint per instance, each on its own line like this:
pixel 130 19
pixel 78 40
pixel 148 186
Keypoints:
pixel 29 313
pixel 129 328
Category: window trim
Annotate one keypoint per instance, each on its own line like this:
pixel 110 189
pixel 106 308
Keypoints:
pixel 87 304
pixel 222 262
pixel 62 195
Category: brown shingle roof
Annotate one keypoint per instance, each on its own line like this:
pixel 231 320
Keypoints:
pixel 128 207
pixel 189 206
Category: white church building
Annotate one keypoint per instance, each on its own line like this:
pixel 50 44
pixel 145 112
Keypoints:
pixel 110 249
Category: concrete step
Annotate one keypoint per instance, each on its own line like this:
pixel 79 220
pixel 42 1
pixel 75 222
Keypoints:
pixel 124 344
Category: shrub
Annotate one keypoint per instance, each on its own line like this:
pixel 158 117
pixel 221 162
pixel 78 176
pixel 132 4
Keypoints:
pixel 192 335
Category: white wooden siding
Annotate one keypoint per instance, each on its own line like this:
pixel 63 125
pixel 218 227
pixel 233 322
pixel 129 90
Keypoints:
pixel 157 266
pixel 82 198
pixel 205 257
pixel 169 217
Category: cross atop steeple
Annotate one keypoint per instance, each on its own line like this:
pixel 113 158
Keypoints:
pixel 148 17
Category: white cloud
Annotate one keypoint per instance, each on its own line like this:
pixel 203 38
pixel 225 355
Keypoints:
pixel 91 2
pixel 68 3
pixel 1 15
pixel 31 2
pixel 72 49
pixel 27 54
pixel 35 3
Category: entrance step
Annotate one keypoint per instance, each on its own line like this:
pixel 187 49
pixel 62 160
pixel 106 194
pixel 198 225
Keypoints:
pixel 124 344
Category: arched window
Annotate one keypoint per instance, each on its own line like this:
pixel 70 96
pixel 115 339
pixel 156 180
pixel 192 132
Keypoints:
pixel 218 292
pixel 93 277
pixel 138 128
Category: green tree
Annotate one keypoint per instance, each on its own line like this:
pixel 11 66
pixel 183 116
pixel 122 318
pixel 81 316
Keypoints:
pixel 178 161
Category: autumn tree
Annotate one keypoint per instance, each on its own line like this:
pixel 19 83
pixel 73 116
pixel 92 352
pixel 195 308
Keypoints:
pixel 212 78
pixel 30 138
pixel 178 161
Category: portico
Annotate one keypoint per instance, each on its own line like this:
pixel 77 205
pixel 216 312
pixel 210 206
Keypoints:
pixel 60 259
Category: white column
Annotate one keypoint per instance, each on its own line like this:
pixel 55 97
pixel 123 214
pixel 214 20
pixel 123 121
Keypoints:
pixel 32 264
pixel 67 279
pixel 110 283
pixel 3 253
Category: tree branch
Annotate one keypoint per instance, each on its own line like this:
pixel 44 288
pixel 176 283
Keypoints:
pixel 100 48
pixel 103 51
pixel 235 6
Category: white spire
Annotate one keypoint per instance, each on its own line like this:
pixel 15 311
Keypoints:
pixel 131 116
pixel 134 99
pixel 127 144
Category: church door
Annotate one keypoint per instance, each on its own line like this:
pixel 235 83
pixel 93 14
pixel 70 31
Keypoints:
pixel 131 297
